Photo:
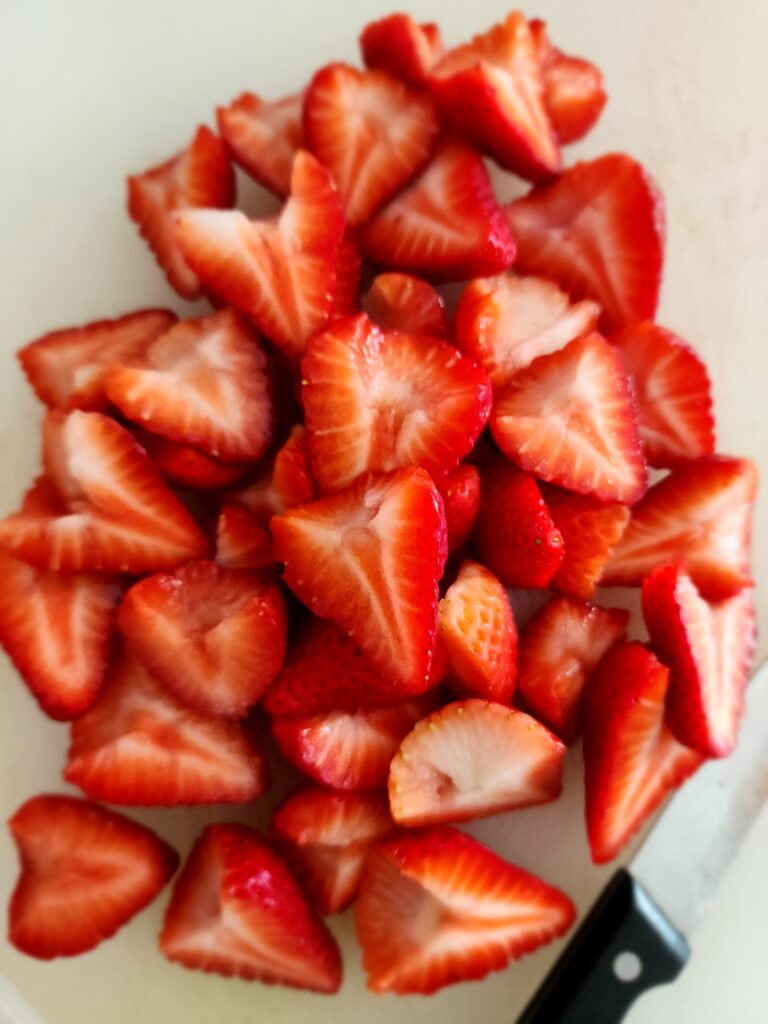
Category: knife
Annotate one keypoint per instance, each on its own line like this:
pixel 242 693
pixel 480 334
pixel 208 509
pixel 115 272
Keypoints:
pixel 634 937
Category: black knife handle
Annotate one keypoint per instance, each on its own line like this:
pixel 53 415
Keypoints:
pixel 584 986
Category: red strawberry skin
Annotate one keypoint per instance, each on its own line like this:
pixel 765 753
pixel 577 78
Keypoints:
pixel 460 490
pixel 400 302
pixel 184 465
pixel 262 137
pixel 242 542
pixel 402 47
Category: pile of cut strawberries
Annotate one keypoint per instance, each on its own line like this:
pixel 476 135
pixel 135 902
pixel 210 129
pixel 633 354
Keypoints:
pixel 303 510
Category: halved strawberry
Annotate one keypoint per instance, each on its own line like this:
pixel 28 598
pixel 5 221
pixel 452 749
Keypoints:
pixel 349 749
pixel 402 47
pixel 708 648
pixel 204 382
pixel 470 759
pixel 700 514
pixel 631 759
pixel 137 745
pixel 573 88
pixel 325 835
pixel 673 395
pixel 214 637
pixel 198 176
pixel 183 465
pixel 66 368
pixel 349 270
pixel 237 910
pixel 263 138
pixel 598 232
pixel 460 491
pixel 113 512
pixel 447 226
pixel 478 631
pixel 491 91
pixel 376 401
pixel 85 872
pixel 371 131
pixel 287 482
pixel 506 322
pixel 399 302
pixel 570 419
pixel 242 541
pixel 514 534
pixel 590 529
pixel 559 648
pixel 280 272
pixel 438 907
pixel 369 558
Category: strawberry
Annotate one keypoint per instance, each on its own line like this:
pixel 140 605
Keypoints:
pixel 66 368
pixel 460 491
pixel 506 322
pixel 573 88
pixel 569 418
pixel 371 131
pixel 376 401
pixel 280 272
pixel 479 634
pixel 491 91
pixel 402 47
pixel 184 465
pixel 672 394
pixel 214 637
pixel 348 749
pixel 325 835
pixel 242 542
pixel 57 630
pixel 263 138
pixel 113 512
pixel 437 907
pixel 205 383
pixel 597 232
pixel 287 483
pixel 447 226
pixel 514 534
pixel 198 176
pixel 559 648
pixel 590 529
pixel 138 746
pixel 701 514
pixel 631 759
pixel 348 273
pixel 237 910
pixel 369 558
pixel 709 649
pixel 85 872
pixel 399 302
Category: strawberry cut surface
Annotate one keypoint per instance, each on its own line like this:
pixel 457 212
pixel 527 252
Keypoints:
pixel 263 138
pixel 399 302
pixel 401 46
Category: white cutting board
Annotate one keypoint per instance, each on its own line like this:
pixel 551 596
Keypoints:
pixel 92 90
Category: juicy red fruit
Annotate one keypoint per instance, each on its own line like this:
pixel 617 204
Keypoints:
pixel 402 47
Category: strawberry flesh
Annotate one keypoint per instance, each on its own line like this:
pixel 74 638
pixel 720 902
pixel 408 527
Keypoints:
pixel 399 302
pixel 402 47
pixel 263 138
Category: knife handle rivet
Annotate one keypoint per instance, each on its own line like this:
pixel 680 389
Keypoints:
pixel 627 966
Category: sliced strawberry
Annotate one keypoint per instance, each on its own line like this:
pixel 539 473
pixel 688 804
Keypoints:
pixel 184 465
pixel 447 226
pixel 263 138
pixel 570 419
pixel 573 88
pixel 66 368
pixel 673 395
pixel 369 558
pixel 199 176
pixel 57 630
pixel 205 383
pixel 115 512
pixel 371 131
pixel 598 232
pixel 349 749
pixel 399 302
pixel 348 273
pixel 237 910
pixel 460 491
pixel 709 649
pixel 701 514
pixel 590 529
pixel 137 745
pixel 514 534
pixel 289 481
pixel 85 872
pixel 214 637
pixel 506 322
pixel 559 648
pixel 438 907
pixel 631 759
pixel 242 542
pixel 402 47
pixel 280 272
pixel 378 400
pixel 325 835
pixel 479 634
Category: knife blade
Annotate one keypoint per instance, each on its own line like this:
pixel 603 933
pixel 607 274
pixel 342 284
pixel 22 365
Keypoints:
pixel 634 938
